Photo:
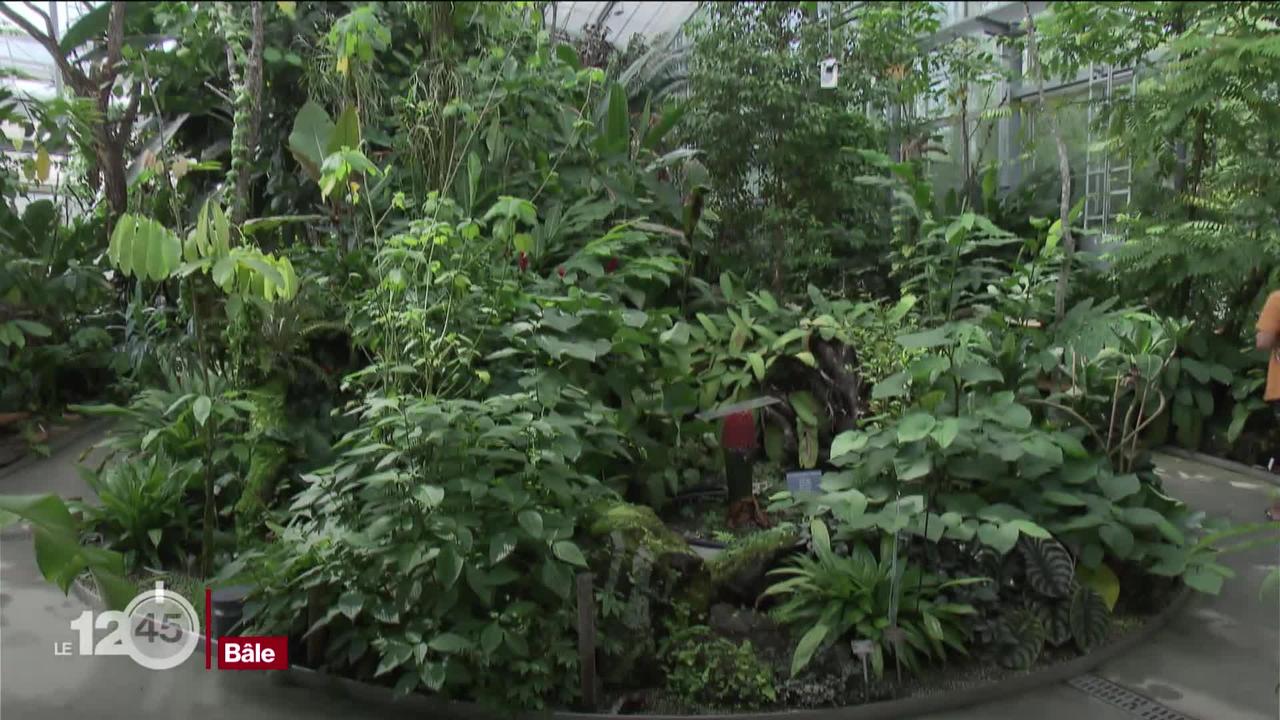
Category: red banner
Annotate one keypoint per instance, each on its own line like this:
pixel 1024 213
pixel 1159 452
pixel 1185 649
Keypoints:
pixel 253 653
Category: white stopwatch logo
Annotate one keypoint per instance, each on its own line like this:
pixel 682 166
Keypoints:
pixel 157 630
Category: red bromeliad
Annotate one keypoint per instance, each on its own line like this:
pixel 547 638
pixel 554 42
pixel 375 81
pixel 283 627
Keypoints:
pixel 523 261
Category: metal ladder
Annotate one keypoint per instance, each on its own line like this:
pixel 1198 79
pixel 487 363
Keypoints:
pixel 1108 181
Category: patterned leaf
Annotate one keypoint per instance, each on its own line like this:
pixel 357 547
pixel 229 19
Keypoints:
pixel 1090 619
pixel 1021 640
pixel 1050 569
pixel 1055 617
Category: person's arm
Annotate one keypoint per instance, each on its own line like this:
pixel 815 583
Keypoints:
pixel 1266 340
pixel 1269 323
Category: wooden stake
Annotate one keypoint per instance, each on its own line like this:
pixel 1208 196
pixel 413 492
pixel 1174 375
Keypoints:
pixel 587 639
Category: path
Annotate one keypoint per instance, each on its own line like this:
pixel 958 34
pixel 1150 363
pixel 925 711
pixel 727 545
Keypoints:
pixel 1220 660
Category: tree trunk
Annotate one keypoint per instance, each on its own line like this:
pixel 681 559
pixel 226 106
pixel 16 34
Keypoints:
pixel 115 182
pixel 1064 172
pixel 253 90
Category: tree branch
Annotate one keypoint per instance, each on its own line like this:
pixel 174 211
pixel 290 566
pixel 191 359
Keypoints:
pixel 77 79
pixel 48 22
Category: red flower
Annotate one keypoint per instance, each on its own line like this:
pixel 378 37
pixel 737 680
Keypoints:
pixel 523 262
pixel 560 271
pixel 611 265
pixel 739 431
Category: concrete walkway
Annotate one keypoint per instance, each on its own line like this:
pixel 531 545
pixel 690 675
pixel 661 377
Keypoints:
pixel 1220 660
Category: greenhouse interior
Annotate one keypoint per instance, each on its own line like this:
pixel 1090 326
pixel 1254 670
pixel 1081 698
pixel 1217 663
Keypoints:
pixel 557 359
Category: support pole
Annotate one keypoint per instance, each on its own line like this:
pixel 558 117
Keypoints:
pixel 587 640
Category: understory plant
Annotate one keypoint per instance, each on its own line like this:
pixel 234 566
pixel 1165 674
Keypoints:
pixel 713 671
pixel 903 610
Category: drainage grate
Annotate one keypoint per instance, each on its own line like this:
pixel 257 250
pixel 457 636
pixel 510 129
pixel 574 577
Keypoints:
pixel 1124 698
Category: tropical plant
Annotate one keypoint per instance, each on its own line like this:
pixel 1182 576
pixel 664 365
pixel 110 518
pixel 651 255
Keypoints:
pixel 709 670
pixel 143 511
pixel 836 596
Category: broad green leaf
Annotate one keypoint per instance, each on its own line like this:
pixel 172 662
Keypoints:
pixel 429 495
pixel 757 365
pixel 490 638
pixel 448 567
pixel 501 546
pixel 946 431
pixel 926 339
pixel 893 386
pixel 915 426
pixel 531 521
pixel 1066 499
pixel 200 409
pixel 33 328
pixel 1014 416
pixel 1071 447
pixel 807 646
pixel 1119 487
pixel 449 643
pixel 568 55
pixel 346 131
pixel 1001 537
pixel 847 442
pixel 912 466
pixel 1103 581
pixel 805 406
pixel 309 140
pixel 616 135
pixel 1203 580
pixel 1118 538
pixel 569 553
pixel 350 603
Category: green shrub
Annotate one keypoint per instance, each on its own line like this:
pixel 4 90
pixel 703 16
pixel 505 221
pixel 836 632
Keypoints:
pixel 708 670
pixel 833 597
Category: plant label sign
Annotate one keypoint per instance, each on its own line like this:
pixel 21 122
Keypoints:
pixel 805 481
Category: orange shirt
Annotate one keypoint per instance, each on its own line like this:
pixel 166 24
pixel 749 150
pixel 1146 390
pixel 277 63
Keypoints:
pixel 1269 321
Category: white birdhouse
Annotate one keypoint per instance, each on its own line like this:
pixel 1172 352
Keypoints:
pixel 829 71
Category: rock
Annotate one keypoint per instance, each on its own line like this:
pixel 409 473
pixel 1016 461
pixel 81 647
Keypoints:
pixel 771 640
pixel 740 572
pixel 650 574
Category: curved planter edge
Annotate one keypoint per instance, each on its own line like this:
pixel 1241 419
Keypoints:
pixel 378 695
pixel 1221 463
pixel 57 444
pixel 885 710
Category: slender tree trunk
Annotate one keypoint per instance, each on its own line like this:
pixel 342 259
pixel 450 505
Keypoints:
pixel 253 90
pixel 1064 172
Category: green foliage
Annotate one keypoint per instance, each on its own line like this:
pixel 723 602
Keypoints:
pixel 474 593
pixel 60 555
pixel 1021 640
pixel 143 511
pixel 836 596
pixel 712 671
pixel 1090 620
